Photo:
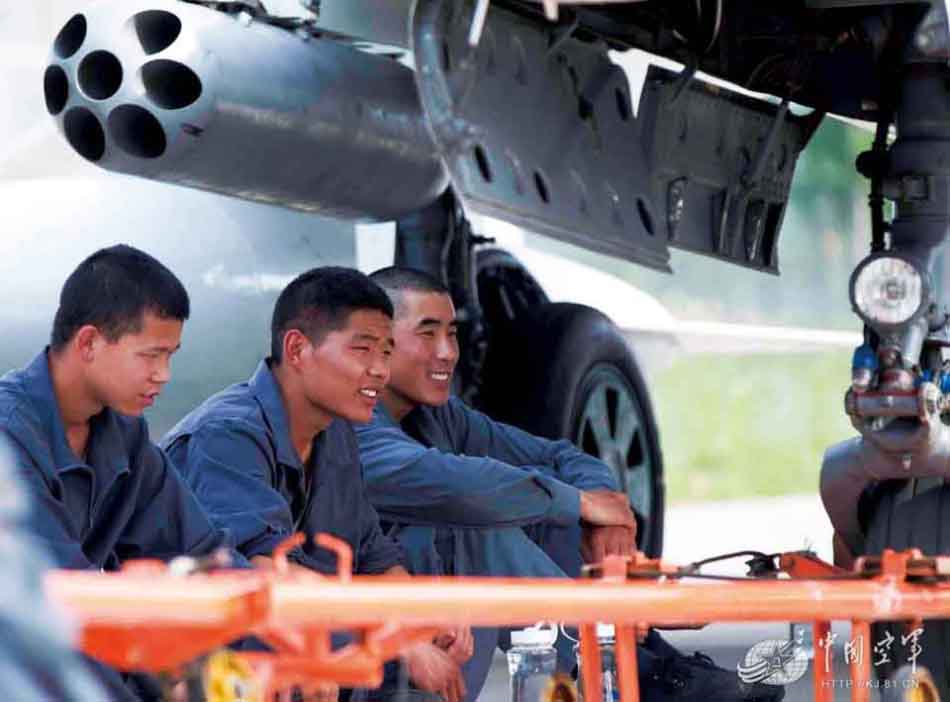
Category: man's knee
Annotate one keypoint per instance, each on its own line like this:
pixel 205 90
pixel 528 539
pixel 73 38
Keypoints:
pixel 562 544
pixel 503 552
pixel 419 551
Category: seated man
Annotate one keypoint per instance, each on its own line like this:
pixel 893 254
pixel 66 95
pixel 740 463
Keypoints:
pixel 36 662
pixel 101 492
pixel 470 496
pixel 277 454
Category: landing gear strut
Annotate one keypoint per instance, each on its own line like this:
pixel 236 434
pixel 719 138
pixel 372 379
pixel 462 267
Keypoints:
pixel 886 487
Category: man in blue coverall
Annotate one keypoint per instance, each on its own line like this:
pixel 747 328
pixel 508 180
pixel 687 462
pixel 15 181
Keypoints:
pixel 466 495
pixel 277 454
pixel 36 661
pixel 100 491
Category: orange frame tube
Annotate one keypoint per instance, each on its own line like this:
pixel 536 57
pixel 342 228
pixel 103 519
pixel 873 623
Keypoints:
pixel 823 677
pixel 861 661
pixel 628 674
pixel 591 663
pixel 298 610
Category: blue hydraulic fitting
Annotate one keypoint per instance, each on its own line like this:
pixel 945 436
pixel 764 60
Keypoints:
pixel 864 358
pixel 941 380
pixel 863 366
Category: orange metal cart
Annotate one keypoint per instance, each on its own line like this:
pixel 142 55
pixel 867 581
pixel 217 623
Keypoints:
pixel 144 618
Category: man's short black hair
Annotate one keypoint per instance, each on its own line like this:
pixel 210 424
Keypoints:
pixel 320 301
pixel 396 280
pixel 112 290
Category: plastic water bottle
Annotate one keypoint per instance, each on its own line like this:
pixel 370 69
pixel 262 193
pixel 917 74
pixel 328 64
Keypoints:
pixel 531 662
pixel 606 637
pixel 803 636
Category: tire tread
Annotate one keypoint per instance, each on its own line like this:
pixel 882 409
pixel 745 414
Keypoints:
pixel 915 522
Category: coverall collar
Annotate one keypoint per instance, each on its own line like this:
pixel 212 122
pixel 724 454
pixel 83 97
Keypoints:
pixel 106 452
pixel 265 388
pixel 383 415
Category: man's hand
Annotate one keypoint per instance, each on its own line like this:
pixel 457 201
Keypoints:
pixel 262 562
pixel 600 541
pixel 607 508
pixel 458 643
pixel 433 670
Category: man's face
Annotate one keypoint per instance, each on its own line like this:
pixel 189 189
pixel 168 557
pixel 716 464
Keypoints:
pixel 426 350
pixel 129 373
pixel 346 373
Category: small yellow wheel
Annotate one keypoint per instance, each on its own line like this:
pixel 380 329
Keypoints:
pixel 228 678
pixel 924 689
pixel 560 688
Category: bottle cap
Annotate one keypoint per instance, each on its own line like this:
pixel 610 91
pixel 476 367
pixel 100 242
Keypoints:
pixel 541 634
pixel 605 631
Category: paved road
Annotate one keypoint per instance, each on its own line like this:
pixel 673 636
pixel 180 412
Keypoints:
pixel 702 530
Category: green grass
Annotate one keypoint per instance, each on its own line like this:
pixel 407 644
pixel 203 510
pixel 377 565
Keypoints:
pixel 744 426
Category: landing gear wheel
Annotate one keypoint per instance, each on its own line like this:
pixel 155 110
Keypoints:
pixel 610 424
pixel 900 521
pixel 565 371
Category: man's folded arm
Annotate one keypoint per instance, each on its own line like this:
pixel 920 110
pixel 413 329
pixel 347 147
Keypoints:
pixel 228 472
pixel 169 520
pixel 410 483
pixel 378 553
pixel 481 435
pixel 49 522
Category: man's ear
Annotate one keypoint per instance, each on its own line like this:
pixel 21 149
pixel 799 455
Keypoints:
pixel 86 342
pixel 294 346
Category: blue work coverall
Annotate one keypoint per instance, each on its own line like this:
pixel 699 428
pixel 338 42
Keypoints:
pixel 123 500
pixel 36 661
pixel 235 452
pixel 466 495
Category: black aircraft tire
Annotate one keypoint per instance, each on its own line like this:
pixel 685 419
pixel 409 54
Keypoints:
pixel 565 371
pixel 923 522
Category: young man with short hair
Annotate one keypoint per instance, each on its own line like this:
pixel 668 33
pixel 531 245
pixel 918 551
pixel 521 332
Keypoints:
pixel 277 454
pixel 101 492
pixel 470 496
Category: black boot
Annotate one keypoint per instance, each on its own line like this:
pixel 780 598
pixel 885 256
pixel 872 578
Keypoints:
pixel 697 678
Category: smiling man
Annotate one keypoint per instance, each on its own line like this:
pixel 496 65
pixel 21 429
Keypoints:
pixel 101 492
pixel 466 495
pixel 277 454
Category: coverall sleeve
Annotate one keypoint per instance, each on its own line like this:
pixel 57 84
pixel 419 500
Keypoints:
pixel 168 520
pixel 478 434
pixel 48 520
pixel 228 468
pixel 36 660
pixel 412 484
pixel 378 552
